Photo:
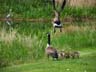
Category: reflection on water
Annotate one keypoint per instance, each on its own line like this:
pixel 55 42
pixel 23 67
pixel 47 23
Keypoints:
pixel 37 27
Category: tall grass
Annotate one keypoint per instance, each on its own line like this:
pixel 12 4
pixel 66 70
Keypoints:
pixel 41 9
pixel 22 44
pixel 27 41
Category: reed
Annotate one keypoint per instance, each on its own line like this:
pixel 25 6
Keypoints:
pixel 43 9
pixel 27 41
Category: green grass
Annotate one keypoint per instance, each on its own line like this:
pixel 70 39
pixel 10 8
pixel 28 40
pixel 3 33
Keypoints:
pixel 86 63
pixel 42 9
pixel 27 41
pixel 22 49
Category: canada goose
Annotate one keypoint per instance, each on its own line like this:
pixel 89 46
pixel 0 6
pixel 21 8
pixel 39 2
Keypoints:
pixel 64 54
pixel 61 54
pixel 8 17
pixel 75 54
pixel 69 54
pixel 56 20
pixel 9 14
pixel 50 51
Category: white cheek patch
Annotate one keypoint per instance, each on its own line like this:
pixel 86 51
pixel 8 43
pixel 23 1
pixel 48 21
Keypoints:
pixel 47 46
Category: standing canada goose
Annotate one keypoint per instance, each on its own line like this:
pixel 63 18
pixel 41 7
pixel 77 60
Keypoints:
pixel 56 20
pixel 8 17
pixel 50 51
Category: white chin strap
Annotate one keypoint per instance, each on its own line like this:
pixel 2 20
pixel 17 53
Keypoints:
pixel 48 45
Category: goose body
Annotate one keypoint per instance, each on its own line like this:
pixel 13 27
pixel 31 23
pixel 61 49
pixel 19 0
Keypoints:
pixel 51 51
pixel 56 21
pixel 8 17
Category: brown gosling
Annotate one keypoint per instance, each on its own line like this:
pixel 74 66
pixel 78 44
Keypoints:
pixel 75 54
pixel 61 54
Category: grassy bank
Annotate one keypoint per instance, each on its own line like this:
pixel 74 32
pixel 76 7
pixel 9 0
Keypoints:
pixel 22 45
pixel 86 63
pixel 27 41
